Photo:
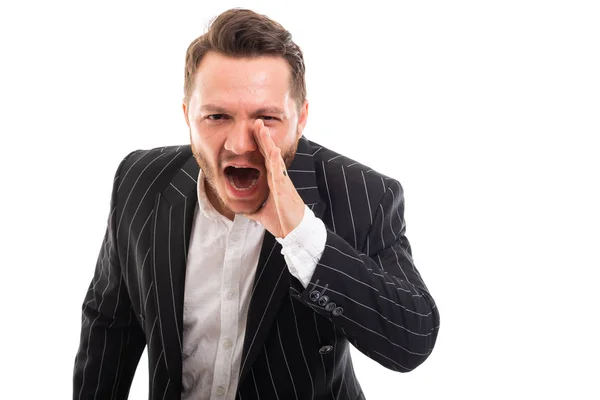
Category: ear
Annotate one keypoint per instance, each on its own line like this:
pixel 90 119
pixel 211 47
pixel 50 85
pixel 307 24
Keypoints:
pixel 185 114
pixel 302 118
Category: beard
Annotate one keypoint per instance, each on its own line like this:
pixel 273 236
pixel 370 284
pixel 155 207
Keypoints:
pixel 212 173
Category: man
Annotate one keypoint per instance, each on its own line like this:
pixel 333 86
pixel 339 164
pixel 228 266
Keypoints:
pixel 250 259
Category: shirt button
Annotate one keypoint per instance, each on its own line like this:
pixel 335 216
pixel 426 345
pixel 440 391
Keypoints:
pixel 235 238
pixel 227 343
pixel 230 294
pixel 220 390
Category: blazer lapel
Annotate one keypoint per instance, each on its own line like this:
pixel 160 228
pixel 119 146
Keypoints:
pixel 272 281
pixel 173 217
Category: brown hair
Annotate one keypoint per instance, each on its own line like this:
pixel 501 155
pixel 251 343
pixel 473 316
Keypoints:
pixel 244 33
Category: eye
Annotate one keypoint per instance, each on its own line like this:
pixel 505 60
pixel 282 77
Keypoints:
pixel 216 117
pixel 268 118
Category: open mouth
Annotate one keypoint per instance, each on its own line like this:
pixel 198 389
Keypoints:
pixel 242 178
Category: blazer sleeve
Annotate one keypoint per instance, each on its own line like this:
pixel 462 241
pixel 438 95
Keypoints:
pixel 377 297
pixel 111 340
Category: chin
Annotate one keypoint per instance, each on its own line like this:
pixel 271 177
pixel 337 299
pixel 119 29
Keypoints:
pixel 246 208
pixel 241 205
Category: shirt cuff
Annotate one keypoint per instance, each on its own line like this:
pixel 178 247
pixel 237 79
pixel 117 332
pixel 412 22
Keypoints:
pixel 303 247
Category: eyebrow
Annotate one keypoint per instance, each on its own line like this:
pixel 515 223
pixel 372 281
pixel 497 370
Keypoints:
pixel 213 108
pixel 261 111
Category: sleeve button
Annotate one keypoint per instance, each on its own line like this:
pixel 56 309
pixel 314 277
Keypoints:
pixel 323 300
pixel 314 295
pixel 330 306
pixel 338 311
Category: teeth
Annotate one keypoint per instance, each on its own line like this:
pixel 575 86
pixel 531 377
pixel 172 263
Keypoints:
pixel 243 189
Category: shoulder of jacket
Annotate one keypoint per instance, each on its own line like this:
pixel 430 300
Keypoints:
pixel 331 161
pixel 146 165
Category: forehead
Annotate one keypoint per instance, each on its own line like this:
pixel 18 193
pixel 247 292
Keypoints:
pixel 227 80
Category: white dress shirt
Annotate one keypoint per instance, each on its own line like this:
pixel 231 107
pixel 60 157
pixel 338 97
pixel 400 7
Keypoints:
pixel 221 264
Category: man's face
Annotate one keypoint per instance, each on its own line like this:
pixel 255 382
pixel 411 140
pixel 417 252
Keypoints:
pixel 228 96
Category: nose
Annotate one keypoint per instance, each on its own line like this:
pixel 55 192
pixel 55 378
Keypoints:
pixel 240 139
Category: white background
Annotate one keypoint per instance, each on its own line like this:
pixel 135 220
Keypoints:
pixel 488 113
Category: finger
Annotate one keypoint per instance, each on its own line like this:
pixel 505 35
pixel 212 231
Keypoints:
pixel 266 139
pixel 278 170
pixel 259 126
pixel 272 153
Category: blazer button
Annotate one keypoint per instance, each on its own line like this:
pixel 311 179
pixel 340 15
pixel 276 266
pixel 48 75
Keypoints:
pixel 330 306
pixel 323 300
pixel 314 295
pixel 338 311
pixel 325 349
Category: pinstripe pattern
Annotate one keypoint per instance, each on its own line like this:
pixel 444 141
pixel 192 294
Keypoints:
pixel 296 345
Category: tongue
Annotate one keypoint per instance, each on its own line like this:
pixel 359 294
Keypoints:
pixel 242 177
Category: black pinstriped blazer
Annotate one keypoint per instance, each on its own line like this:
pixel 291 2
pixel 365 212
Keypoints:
pixel 365 289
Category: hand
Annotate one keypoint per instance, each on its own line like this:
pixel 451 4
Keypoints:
pixel 284 209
